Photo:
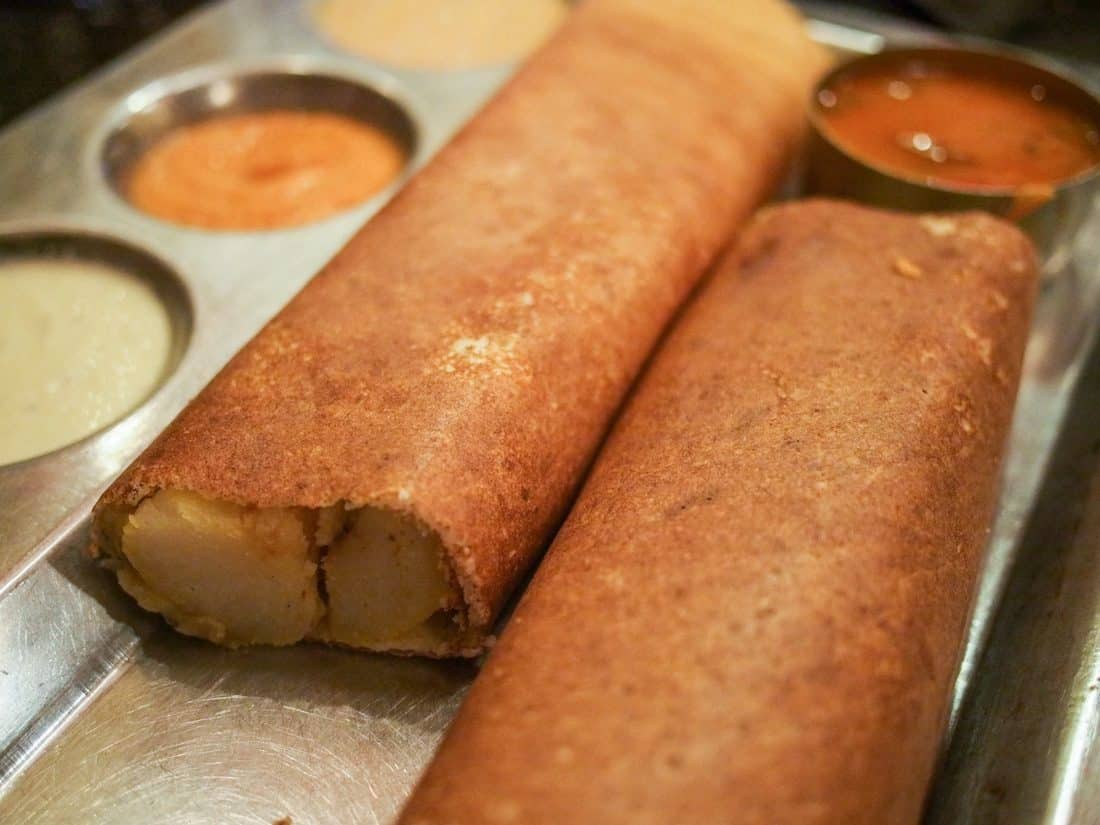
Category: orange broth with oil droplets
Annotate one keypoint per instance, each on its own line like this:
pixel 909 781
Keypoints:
pixel 954 127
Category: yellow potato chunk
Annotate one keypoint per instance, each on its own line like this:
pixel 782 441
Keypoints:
pixel 385 578
pixel 233 575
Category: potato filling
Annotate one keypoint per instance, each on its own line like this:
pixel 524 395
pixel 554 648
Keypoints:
pixel 235 575
pixel 385 579
pixel 242 575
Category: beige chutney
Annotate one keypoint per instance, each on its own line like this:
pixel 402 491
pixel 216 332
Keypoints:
pixel 81 344
pixel 440 34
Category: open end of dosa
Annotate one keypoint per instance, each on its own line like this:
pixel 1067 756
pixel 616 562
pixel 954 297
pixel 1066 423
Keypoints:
pixel 367 577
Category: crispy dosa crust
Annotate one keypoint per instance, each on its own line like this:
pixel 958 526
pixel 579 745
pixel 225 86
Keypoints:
pixel 461 358
pixel 754 612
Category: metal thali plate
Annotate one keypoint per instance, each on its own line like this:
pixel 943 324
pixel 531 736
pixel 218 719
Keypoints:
pixel 106 716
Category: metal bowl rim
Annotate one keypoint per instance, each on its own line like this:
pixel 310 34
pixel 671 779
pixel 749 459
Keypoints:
pixel 180 308
pixel 1026 59
pixel 362 75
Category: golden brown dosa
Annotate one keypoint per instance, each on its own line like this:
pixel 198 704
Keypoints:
pixel 754 612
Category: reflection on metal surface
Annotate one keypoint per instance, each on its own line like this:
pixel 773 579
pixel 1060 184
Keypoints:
pixel 1024 748
pixel 106 716
pixel 845 39
pixel 1066 320
pixel 64 633
pixel 193 733
pixel 855 31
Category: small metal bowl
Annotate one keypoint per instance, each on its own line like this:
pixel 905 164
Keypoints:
pixel 1050 214
pixel 151 113
pixel 73 244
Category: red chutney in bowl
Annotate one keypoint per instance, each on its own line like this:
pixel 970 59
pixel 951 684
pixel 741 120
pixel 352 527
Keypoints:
pixel 947 123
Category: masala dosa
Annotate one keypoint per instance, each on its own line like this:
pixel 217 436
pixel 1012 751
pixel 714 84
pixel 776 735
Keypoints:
pixel 379 466
pixel 754 612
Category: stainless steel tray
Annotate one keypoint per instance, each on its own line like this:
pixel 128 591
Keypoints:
pixel 106 716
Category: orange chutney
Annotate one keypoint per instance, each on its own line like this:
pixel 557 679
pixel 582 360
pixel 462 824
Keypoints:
pixel 263 170
pixel 941 124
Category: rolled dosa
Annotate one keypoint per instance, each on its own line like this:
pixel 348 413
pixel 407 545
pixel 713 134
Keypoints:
pixel 754 612
pixel 381 463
